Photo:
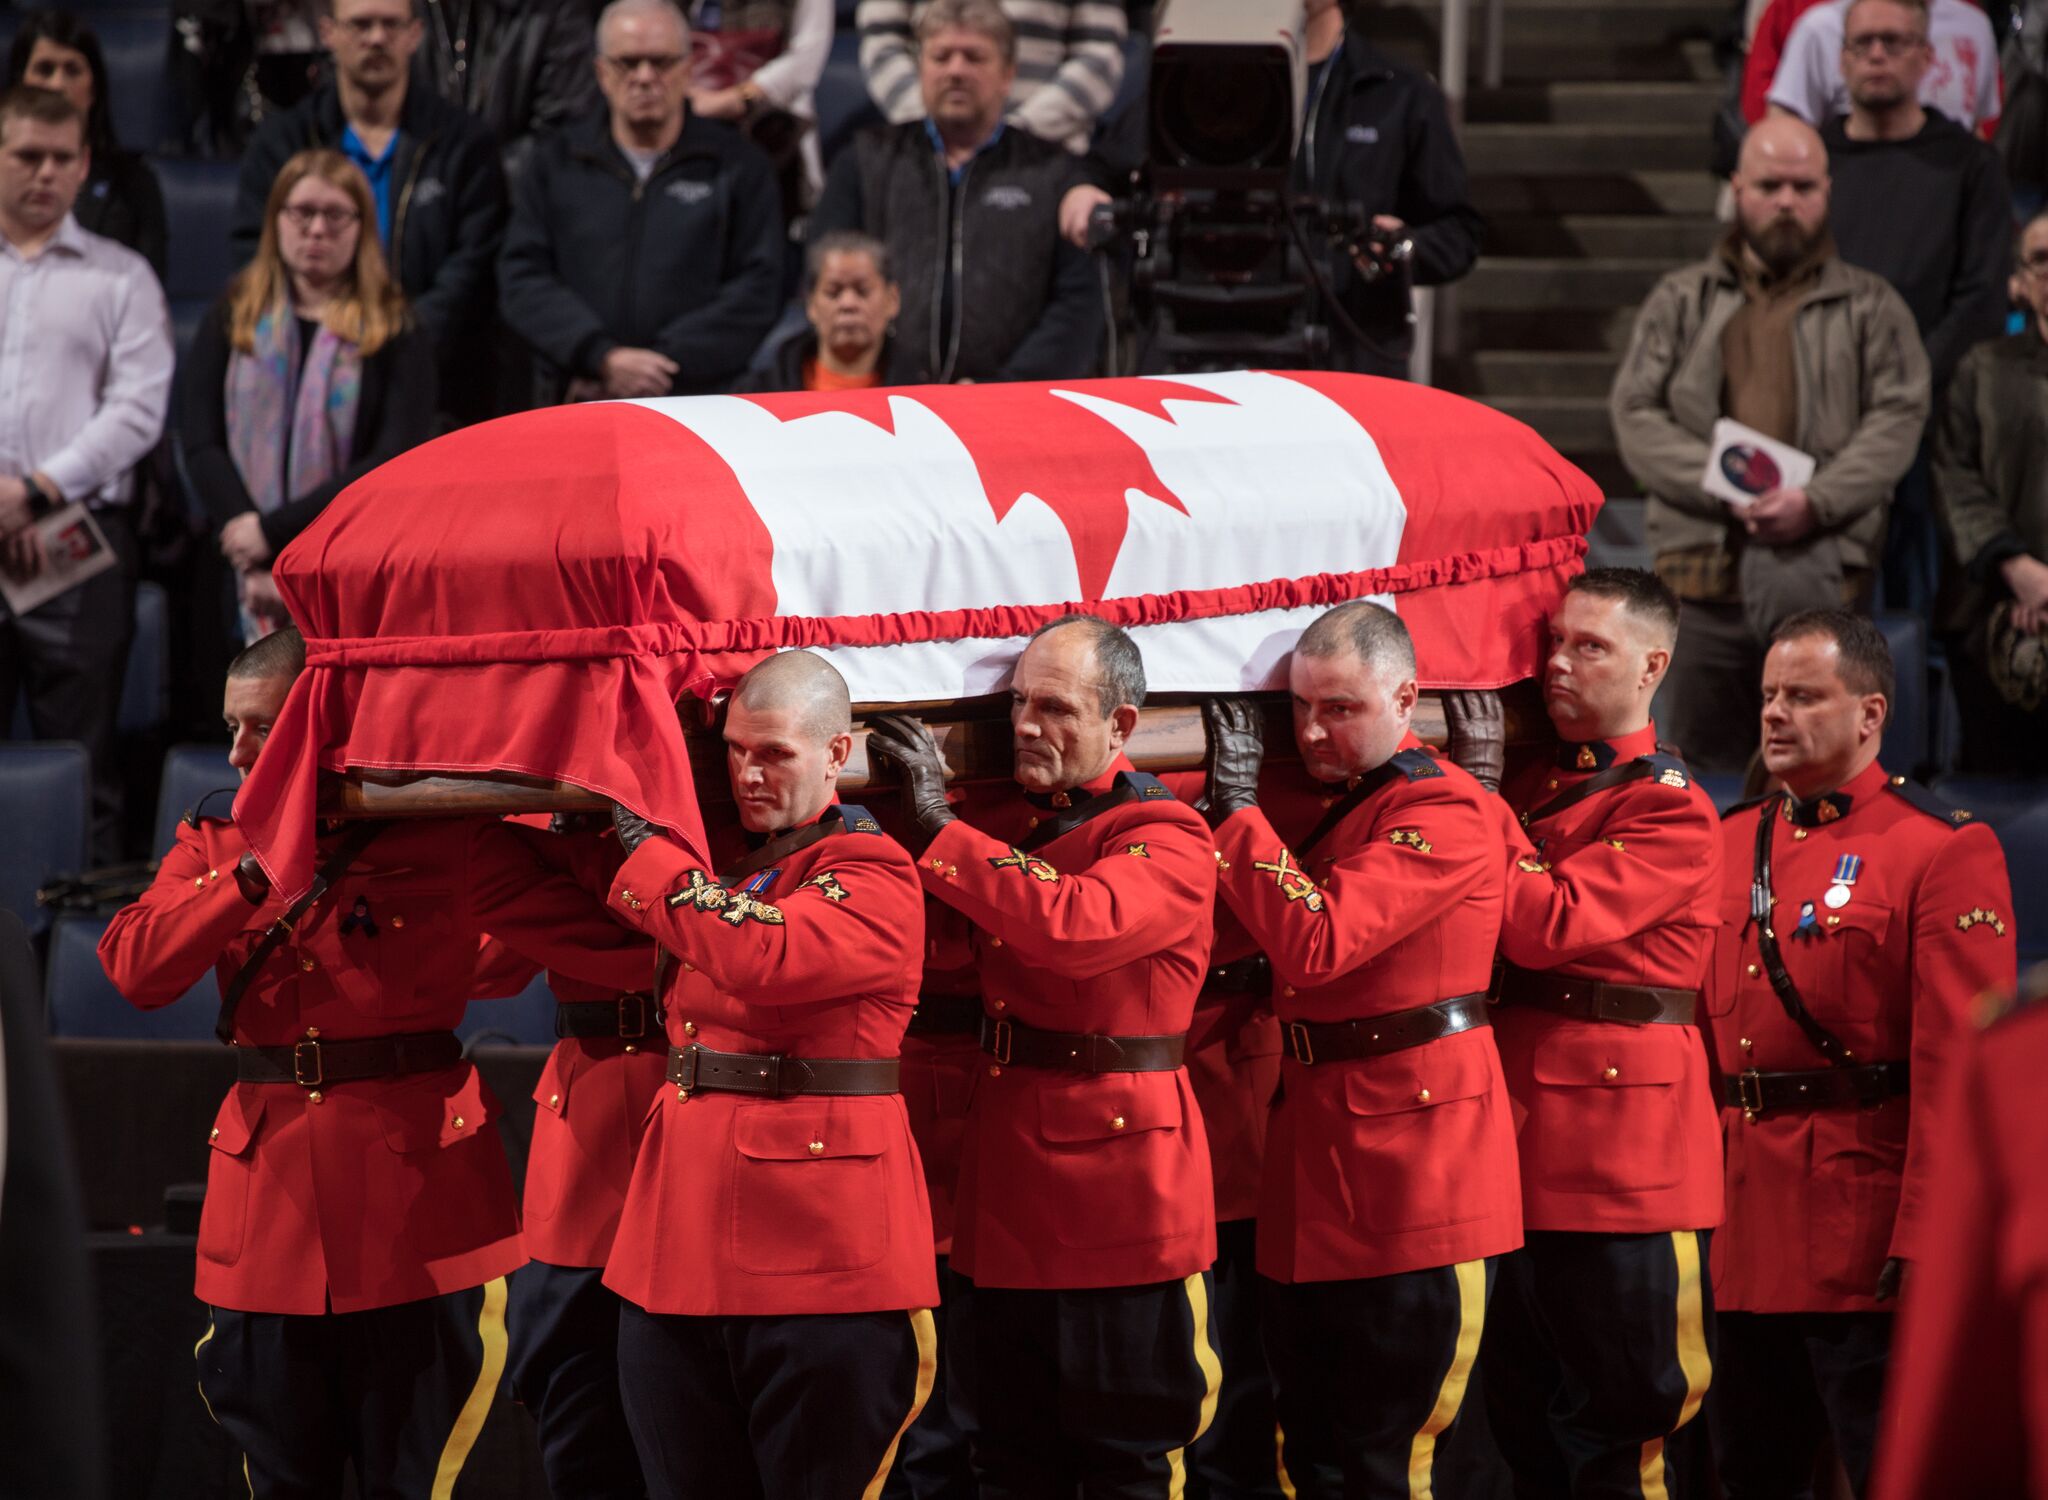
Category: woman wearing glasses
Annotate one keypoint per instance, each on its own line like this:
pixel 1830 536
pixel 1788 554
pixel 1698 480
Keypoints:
pixel 306 375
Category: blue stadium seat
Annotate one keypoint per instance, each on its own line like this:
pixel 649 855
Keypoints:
pixel 527 1019
pixel 137 44
pixel 1994 799
pixel 199 201
pixel 43 800
pixel 1724 787
pixel 2025 838
pixel 146 689
pixel 82 1001
pixel 190 772
pixel 1907 735
pixel 842 97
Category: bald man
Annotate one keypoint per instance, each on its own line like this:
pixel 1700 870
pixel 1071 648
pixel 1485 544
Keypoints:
pixel 774 1252
pixel 1774 331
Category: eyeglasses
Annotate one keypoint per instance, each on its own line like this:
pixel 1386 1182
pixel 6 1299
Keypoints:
pixel 663 63
pixel 1890 43
pixel 362 28
pixel 336 219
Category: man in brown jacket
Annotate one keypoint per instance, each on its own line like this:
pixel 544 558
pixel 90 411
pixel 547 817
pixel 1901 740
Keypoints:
pixel 1775 331
pixel 1991 491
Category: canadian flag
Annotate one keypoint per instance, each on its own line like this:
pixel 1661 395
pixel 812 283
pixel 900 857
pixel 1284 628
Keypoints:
pixel 534 594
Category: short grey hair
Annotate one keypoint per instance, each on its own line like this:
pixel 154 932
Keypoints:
pixel 641 8
pixel 1374 632
pixel 843 242
pixel 1119 669
pixel 985 16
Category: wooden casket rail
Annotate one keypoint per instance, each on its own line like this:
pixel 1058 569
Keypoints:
pixel 973 736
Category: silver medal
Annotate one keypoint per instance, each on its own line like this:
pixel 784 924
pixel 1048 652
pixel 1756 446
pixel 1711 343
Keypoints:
pixel 1837 897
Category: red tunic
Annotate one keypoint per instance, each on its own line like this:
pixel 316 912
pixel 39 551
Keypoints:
pixel 364 1194
pixel 1967 1401
pixel 1080 1180
pixel 1818 1199
pixel 1617 1124
pixel 1393 1163
pixel 747 1205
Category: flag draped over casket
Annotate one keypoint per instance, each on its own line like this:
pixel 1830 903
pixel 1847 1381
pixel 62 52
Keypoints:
pixel 533 595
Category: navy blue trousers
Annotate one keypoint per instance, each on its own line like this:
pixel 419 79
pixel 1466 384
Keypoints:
pixel 564 1369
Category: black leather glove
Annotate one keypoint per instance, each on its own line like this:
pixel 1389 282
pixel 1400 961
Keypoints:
pixel 902 739
pixel 1237 748
pixel 250 877
pixel 1478 735
pixel 1889 1277
pixel 634 830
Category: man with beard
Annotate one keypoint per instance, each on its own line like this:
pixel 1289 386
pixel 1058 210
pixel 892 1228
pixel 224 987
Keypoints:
pixel 1777 332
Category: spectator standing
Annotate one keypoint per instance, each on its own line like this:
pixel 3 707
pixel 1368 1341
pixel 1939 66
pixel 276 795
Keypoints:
pixel 521 66
pixel 54 49
pixel 1776 331
pixel 306 375
pixel 645 253
pixel 433 174
pixel 991 290
pixel 85 375
pixel 756 65
pixel 1949 258
pixel 1962 81
pixel 1991 487
pixel 1069 60
pixel 850 299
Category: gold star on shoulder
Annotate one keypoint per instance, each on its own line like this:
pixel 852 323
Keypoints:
pixel 1981 916
pixel 1410 838
pixel 1532 867
pixel 827 883
pixel 1024 864
pixel 1137 851
pixel 1295 883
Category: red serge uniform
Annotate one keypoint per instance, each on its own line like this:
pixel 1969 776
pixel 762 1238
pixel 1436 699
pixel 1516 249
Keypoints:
pixel 1069 1179
pixel 1616 1122
pixel 385 1190
pixel 1967 1407
pixel 1819 1198
pixel 803 1204
pixel 1392 1163
pixel 1889 913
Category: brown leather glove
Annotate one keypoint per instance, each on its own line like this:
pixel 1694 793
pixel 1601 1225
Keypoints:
pixel 1478 735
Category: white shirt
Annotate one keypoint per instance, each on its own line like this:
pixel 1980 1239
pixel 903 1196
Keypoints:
pixel 85 363
pixel 1962 82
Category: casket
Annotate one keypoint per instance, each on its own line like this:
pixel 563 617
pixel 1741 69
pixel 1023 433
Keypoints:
pixel 531 598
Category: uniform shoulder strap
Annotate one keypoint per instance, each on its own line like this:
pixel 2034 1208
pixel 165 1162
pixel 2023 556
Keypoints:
pixel 197 813
pixel 1416 765
pixel 1146 787
pixel 854 819
pixel 1621 773
pixel 1918 797
pixel 1129 786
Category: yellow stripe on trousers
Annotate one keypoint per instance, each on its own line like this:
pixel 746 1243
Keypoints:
pixel 1280 1462
pixel 1211 1366
pixel 205 1339
pixel 927 1334
pixel 1692 1358
pixel 1451 1395
pixel 490 1328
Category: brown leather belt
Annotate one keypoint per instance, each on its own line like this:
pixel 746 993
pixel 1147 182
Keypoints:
pixel 1757 1093
pixel 1375 1036
pixel 1596 999
pixel 630 1018
pixel 1245 976
pixel 947 1015
pixel 778 1075
pixel 314 1063
pixel 1016 1045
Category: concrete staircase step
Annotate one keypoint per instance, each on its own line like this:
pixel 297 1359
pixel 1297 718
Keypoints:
pixel 1676 238
pixel 1571 190
pixel 1510 374
pixel 1576 329
pixel 1504 150
pixel 1505 282
pixel 1609 103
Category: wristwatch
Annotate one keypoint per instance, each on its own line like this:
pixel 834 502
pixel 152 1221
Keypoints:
pixel 40 501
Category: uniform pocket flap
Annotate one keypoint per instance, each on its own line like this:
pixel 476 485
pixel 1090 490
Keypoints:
pixel 1418 1078
pixel 1109 1105
pixel 437 1110
pixel 808 1132
pixel 1854 915
pixel 552 1092
pixel 1617 1057
pixel 235 1126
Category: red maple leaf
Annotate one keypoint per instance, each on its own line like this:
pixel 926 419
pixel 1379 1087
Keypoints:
pixel 1029 440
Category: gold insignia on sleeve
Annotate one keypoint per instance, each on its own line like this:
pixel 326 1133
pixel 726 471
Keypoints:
pixel 1137 851
pixel 1412 838
pixel 1615 842
pixel 1672 777
pixel 1961 815
pixel 1532 867
pixel 1295 883
pixel 735 907
pixel 1981 916
pixel 827 882
pixel 1024 864
pixel 702 892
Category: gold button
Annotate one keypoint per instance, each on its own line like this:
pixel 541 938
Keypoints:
pixel 1000 1004
pixel 308 965
pixel 995 1072
pixel 198 884
pixel 1747 1044
pixel 1752 971
pixel 682 1095
pixel 1423 1097
pixel 1288 990
pixel 1611 1074
pixel 817 1148
pixel 213 874
pixel 554 1101
pixel 1798 833
pixel 316 1096
pixel 458 1122
pixel 213 1134
pixel 689 1028
pixel 951 871
pixel 1834 921
pixel 995 942
pixel 398 921
pixel 1116 1122
pixel 1032 824
pixel 312 1033
pixel 631 1049
pixel 1550 785
pixel 688 967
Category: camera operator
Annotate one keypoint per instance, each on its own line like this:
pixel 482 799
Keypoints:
pixel 1377 133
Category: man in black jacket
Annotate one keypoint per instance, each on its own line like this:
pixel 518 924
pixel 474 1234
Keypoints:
pixel 521 66
pixel 969 209
pixel 645 253
pixel 432 169
pixel 1377 133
